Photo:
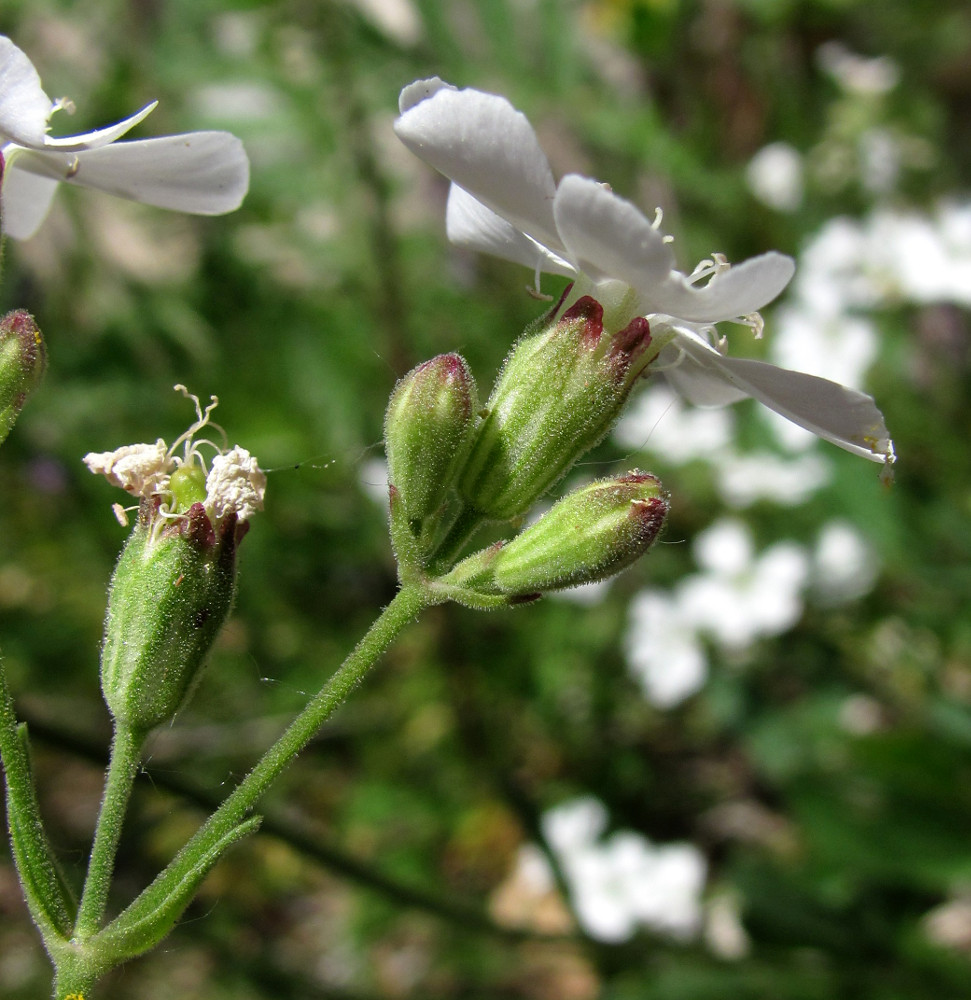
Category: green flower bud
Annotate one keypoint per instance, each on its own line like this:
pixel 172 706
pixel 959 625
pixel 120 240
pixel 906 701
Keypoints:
pixel 427 431
pixel 560 391
pixel 23 359
pixel 591 534
pixel 170 594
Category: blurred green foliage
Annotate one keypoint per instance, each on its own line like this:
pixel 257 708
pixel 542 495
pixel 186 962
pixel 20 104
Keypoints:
pixel 395 830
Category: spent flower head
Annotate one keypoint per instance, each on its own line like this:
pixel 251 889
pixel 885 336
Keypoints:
pixel 504 201
pixel 204 173
pixel 176 478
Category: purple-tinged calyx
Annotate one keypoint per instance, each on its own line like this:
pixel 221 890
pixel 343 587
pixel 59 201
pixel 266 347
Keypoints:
pixel 560 391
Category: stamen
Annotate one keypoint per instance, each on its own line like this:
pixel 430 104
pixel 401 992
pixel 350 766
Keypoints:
pixel 718 264
pixel 656 224
pixel 64 104
pixel 655 367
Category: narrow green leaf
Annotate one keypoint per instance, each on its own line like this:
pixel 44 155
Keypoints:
pixel 48 899
pixel 153 914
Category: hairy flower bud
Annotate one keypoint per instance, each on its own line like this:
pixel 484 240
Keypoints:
pixel 170 594
pixel 23 360
pixel 591 534
pixel 561 389
pixel 427 430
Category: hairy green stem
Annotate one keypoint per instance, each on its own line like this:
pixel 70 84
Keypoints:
pixel 123 765
pixel 407 604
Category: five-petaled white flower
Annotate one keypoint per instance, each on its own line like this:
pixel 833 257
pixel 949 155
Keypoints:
pixel 205 173
pixel 504 201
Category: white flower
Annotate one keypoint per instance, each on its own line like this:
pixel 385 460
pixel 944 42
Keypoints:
pixel 664 651
pixel 624 882
pixel 205 173
pixel 775 176
pixel 505 201
pixel 740 596
pixel 844 564
pixel 659 422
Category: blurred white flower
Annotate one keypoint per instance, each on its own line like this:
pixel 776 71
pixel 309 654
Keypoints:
pixel 659 422
pixel 664 651
pixel 922 258
pixel 879 160
pixel 775 176
pixel 205 173
pixel 841 347
pixel 858 74
pixel 744 479
pixel 504 201
pixel 398 19
pixel 624 882
pixel 845 566
pixel 741 597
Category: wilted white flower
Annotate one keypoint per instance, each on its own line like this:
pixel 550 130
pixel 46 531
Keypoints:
pixel 205 173
pixel 505 201
pixel 139 469
pixel 233 483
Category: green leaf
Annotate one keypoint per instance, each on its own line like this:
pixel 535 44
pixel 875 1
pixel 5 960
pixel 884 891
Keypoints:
pixel 153 914
pixel 48 898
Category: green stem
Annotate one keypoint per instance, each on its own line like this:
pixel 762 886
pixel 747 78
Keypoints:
pixel 122 768
pixel 407 604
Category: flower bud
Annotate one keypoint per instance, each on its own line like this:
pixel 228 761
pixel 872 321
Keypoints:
pixel 560 391
pixel 427 430
pixel 591 534
pixel 23 359
pixel 170 594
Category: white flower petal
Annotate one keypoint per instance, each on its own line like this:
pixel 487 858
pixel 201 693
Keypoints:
pixel 487 147
pixel 206 173
pixel 471 225
pixel 24 202
pixel 843 416
pixel 742 289
pixel 608 237
pixel 420 91
pixel 24 107
pixel 99 137
pixel 696 380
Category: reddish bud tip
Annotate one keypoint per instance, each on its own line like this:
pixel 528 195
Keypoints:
pixel 591 313
pixel 630 343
